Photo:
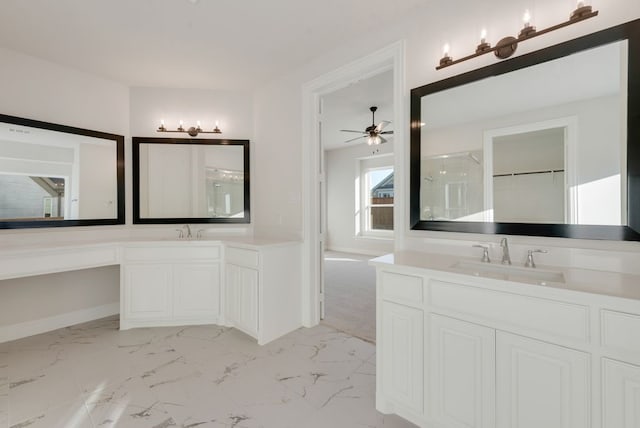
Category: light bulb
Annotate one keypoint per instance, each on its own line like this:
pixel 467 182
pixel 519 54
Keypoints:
pixel 526 18
pixel 483 35
pixel 162 122
pixel 370 141
pixel 579 4
pixel 198 123
pixel 445 49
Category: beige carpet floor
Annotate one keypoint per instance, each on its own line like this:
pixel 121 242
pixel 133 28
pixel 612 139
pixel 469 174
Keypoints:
pixel 350 294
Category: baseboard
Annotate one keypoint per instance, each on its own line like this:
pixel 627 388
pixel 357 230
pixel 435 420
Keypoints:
pixel 43 325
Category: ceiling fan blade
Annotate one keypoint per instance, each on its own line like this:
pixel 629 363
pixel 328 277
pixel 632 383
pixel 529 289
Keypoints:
pixel 386 132
pixel 382 140
pixel 354 139
pixel 351 130
pixel 382 125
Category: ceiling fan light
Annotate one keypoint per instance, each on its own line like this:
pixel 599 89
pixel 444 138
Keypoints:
pixel 371 141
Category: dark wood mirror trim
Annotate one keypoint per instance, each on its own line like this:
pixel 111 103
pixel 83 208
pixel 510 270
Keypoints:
pixel 189 141
pixel 118 139
pixel 630 32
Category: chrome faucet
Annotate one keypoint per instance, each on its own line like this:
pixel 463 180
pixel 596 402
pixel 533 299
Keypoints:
pixel 485 253
pixel 189 236
pixel 506 258
pixel 530 263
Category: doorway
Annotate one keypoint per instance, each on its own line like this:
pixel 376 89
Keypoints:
pixel 314 185
pixel 357 201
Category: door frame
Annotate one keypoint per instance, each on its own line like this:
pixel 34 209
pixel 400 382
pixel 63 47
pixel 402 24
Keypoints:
pixel 388 58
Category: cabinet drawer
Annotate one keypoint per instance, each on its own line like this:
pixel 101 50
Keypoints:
pixel 171 253
pixel 401 288
pixel 242 257
pixel 500 309
pixel 621 332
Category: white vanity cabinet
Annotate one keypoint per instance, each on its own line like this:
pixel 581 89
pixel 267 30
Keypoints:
pixel 541 384
pixel 262 290
pixel 175 283
pixel 458 351
pixel 621 394
pixel 462 363
pixel 242 298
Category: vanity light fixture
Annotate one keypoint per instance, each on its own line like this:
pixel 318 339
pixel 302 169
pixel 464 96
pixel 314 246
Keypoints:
pixel 192 131
pixel 508 45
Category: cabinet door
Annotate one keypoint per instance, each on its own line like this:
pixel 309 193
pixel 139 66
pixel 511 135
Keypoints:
pixel 621 395
pixel 196 291
pixel 147 289
pixel 462 373
pixel 540 385
pixel 402 354
pixel 242 298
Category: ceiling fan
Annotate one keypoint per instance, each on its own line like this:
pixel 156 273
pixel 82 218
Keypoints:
pixel 373 132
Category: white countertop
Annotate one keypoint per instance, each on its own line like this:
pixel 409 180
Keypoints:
pixel 244 241
pixel 584 280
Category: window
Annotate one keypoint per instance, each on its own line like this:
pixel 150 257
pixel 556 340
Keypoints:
pixel 378 194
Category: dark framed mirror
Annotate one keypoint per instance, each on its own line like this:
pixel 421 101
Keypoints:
pixel 190 181
pixel 545 144
pixel 54 175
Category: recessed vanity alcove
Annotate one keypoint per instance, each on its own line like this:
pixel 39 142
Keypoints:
pixel 189 277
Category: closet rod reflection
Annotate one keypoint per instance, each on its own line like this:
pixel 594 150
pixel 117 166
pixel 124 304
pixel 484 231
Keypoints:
pixel 549 171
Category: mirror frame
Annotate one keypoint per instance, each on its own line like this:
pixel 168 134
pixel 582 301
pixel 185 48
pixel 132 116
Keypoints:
pixel 120 197
pixel 186 220
pixel 629 31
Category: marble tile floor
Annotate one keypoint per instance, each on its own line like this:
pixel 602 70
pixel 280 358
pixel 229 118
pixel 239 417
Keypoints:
pixel 93 375
pixel 350 294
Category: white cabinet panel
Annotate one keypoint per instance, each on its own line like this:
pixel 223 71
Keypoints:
pixel 196 290
pixel 462 373
pixel 621 395
pixel 147 291
pixel 402 355
pixel 620 332
pixel 242 257
pixel 540 385
pixel 242 298
pixel 513 311
pixel 402 288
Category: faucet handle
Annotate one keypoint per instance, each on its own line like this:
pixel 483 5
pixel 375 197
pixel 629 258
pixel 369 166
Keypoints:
pixel 485 254
pixel 180 233
pixel 530 263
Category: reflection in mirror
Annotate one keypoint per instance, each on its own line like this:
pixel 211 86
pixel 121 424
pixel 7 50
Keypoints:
pixel 542 144
pixel 53 175
pixel 193 181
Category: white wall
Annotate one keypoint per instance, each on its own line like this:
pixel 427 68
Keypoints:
pixel 278 107
pixel 342 172
pixel 41 90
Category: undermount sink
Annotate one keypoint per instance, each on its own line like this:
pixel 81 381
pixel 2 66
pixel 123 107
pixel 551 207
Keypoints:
pixel 510 273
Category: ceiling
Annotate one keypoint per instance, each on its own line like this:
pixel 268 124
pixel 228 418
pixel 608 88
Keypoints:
pixel 348 108
pixel 212 44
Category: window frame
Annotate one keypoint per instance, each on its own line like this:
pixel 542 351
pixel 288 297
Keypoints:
pixel 365 202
